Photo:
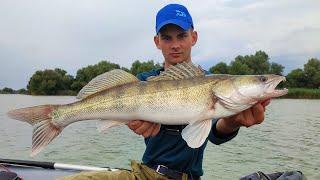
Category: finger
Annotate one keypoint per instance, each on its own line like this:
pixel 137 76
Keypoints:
pixel 265 102
pixel 134 124
pixel 156 130
pixel 148 131
pixel 152 131
pixel 248 119
pixel 258 113
pixel 144 127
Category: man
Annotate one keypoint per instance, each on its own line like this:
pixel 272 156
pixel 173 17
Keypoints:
pixel 175 38
pixel 167 155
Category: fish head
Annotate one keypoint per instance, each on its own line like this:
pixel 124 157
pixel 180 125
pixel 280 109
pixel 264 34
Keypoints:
pixel 242 91
pixel 259 87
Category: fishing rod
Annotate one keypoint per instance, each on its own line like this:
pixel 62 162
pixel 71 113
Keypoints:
pixel 52 165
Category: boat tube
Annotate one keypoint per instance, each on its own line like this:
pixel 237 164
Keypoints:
pixel 35 170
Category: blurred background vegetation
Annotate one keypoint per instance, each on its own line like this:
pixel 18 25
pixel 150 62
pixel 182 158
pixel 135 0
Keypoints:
pixel 302 83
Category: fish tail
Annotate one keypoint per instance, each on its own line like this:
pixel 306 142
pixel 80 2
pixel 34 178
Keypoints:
pixel 44 131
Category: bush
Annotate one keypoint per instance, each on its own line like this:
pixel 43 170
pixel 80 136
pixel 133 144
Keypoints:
pixel 303 93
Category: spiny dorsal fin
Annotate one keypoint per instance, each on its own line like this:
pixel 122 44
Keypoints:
pixel 105 81
pixel 183 70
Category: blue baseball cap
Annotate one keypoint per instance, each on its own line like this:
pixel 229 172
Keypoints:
pixel 174 14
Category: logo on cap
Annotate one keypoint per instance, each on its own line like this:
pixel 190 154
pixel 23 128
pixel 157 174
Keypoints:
pixel 181 13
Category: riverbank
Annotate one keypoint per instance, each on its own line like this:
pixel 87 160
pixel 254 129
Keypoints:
pixel 302 93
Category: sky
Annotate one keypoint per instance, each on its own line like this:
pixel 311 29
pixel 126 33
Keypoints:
pixel 71 34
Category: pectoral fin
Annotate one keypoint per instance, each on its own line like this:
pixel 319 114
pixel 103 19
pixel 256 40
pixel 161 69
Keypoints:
pixel 195 134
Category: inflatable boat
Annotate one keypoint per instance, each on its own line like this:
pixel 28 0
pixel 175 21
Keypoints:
pixel 36 170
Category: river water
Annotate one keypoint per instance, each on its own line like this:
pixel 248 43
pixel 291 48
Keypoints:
pixel 288 139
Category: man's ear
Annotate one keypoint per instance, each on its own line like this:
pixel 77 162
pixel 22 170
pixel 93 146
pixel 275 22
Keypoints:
pixel 194 35
pixel 156 41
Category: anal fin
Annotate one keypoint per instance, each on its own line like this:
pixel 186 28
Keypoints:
pixel 106 124
pixel 43 133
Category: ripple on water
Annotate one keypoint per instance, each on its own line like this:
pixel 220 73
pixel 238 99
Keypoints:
pixel 288 139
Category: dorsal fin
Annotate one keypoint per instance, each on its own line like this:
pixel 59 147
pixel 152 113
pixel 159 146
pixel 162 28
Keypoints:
pixel 105 81
pixel 183 70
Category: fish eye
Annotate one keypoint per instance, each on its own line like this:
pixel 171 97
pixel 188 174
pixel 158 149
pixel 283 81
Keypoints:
pixel 263 78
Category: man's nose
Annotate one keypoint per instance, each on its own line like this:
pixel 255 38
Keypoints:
pixel 175 44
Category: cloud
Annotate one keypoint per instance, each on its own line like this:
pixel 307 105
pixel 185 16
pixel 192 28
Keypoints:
pixel 49 34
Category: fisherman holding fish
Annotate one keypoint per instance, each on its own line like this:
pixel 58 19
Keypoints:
pixel 177 109
pixel 167 155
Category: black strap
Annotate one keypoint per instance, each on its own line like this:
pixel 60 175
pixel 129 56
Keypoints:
pixel 163 170
pixel 172 174
pixel 173 129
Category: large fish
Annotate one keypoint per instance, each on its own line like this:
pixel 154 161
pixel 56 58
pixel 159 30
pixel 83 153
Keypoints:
pixel 182 94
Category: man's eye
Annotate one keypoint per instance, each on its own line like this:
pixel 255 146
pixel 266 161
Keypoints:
pixel 183 36
pixel 166 38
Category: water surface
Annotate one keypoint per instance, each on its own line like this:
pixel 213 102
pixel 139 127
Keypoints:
pixel 287 140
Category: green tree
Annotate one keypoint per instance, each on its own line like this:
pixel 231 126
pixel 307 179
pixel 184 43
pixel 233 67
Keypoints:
pixel 49 82
pixel 7 90
pixel 296 78
pixel 239 68
pixel 60 71
pixel 254 64
pixel 126 69
pixel 220 68
pixel 65 81
pixel 276 68
pixel 257 63
pixel 260 63
pixel 312 72
pixel 138 67
pixel 22 91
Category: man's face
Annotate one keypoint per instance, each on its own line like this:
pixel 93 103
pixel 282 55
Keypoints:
pixel 175 44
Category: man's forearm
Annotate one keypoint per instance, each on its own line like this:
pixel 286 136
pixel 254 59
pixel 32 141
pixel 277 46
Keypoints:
pixel 247 118
pixel 223 127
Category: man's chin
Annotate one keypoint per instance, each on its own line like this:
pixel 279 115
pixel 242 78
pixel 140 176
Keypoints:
pixel 175 61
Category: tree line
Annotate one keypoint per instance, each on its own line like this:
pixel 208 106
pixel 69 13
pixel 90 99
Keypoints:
pixel 59 82
pixel 308 77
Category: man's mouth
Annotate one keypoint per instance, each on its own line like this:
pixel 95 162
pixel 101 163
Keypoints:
pixel 175 54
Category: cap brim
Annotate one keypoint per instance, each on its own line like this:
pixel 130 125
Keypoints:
pixel 184 25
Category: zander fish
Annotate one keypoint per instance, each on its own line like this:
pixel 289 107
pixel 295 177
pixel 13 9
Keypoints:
pixel 182 94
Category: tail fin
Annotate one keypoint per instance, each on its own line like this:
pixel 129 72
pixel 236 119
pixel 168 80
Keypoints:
pixel 40 117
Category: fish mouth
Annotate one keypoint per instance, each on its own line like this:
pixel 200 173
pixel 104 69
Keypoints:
pixel 272 83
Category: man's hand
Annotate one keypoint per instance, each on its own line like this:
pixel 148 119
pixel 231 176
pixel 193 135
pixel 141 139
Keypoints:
pixel 247 118
pixel 144 128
